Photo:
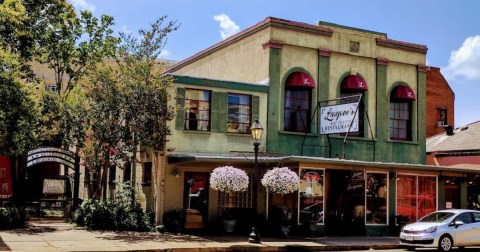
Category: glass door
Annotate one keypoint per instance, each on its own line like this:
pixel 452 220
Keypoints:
pixel 196 199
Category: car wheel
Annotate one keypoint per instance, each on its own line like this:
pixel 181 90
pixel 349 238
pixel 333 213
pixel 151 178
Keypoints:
pixel 445 244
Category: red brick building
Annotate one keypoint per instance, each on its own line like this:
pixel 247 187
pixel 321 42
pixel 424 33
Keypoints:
pixel 440 100
pixel 460 148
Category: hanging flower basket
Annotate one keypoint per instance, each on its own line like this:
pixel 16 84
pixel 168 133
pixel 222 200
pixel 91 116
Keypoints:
pixel 280 180
pixel 228 179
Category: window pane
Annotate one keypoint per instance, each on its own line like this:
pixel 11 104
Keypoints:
pixel 297 110
pixel 197 110
pixel 239 113
pixel 442 117
pixel 112 173
pixel 311 196
pixel 426 195
pixel 237 199
pixel 400 122
pixel 407 197
pixel 416 201
pixel 147 172
pixel 377 195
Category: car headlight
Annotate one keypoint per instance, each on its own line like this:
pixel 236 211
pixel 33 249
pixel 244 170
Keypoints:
pixel 430 229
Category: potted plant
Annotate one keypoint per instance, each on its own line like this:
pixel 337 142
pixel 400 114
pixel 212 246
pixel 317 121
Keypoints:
pixel 173 220
pixel 228 220
pixel 281 219
pixel 228 179
pixel 281 180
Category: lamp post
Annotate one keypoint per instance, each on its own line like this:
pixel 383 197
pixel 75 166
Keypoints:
pixel 257 131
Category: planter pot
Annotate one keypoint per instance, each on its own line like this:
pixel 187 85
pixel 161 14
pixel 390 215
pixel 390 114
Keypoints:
pixel 174 226
pixel 229 225
pixel 285 230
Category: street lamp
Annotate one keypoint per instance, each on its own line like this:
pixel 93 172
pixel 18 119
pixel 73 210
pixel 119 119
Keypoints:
pixel 257 131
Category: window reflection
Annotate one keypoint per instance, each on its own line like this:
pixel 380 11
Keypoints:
pixel 416 196
pixel 311 196
pixel 377 194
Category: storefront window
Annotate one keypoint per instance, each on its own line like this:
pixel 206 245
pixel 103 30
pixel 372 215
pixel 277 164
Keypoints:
pixel 427 196
pixel 416 196
pixel 311 196
pixel 473 192
pixel 236 199
pixel 377 195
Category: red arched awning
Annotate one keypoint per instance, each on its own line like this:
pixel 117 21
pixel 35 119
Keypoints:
pixel 299 79
pixel 354 83
pixel 403 93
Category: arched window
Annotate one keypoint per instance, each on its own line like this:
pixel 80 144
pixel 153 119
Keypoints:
pixel 400 113
pixel 298 100
pixel 355 85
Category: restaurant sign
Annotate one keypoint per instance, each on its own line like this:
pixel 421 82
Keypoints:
pixel 338 118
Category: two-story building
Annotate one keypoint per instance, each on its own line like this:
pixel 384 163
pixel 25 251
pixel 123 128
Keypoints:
pixel 296 78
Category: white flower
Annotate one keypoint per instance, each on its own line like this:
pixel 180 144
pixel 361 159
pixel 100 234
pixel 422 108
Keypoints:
pixel 280 180
pixel 228 179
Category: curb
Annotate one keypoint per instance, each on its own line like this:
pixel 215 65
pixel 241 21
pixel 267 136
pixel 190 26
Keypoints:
pixel 287 248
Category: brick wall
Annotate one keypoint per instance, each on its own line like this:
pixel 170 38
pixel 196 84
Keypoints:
pixel 439 95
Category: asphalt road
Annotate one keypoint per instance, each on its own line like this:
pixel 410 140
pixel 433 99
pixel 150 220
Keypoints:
pixel 469 249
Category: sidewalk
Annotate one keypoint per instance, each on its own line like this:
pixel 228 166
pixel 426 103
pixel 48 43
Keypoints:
pixel 59 236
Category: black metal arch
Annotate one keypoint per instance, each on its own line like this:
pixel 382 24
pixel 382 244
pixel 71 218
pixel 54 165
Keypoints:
pixel 57 155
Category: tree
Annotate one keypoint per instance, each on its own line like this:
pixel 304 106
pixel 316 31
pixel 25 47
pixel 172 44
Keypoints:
pixel 72 47
pixel 51 33
pixel 128 103
pixel 106 128
pixel 18 110
pixel 147 110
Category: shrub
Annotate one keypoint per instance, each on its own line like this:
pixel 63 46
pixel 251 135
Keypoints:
pixel 12 217
pixel 123 213
pixel 173 220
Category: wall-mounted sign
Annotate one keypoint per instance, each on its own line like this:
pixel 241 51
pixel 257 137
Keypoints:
pixel 5 177
pixel 53 186
pixel 338 118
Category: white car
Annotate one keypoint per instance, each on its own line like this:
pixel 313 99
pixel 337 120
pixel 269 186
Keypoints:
pixel 444 230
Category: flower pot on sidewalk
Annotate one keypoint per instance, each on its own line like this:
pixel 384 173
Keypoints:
pixel 229 225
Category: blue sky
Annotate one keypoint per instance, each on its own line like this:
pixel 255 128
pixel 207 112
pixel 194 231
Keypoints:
pixel 449 28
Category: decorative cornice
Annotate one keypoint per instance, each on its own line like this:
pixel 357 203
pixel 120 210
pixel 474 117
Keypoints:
pixel 324 52
pixel 266 23
pixel 395 44
pixel 299 27
pixel 422 68
pixel 273 44
pixel 382 61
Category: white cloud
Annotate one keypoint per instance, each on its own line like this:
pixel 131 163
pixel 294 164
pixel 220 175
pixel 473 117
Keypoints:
pixel 165 54
pixel 464 63
pixel 227 26
pixel 82 5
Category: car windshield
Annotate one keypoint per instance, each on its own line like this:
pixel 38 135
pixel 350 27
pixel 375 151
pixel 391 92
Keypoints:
pixel 437 217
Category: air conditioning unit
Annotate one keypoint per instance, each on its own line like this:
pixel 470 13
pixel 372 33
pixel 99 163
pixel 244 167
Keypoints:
pixel 440 123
